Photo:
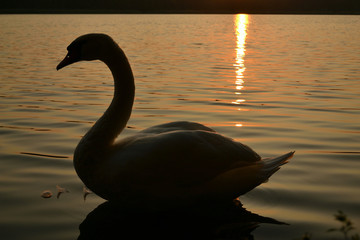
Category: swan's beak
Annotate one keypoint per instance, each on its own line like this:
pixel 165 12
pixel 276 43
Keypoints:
pixel 66 61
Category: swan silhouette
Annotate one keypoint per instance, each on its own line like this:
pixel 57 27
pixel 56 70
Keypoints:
pixel 172 165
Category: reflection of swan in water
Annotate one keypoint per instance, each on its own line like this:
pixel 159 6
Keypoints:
pixel 170 165
pixel 230 222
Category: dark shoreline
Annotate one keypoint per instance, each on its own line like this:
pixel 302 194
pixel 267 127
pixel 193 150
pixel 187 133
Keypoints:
pixel 114 11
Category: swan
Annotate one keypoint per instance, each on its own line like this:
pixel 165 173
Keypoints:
pixel 172 165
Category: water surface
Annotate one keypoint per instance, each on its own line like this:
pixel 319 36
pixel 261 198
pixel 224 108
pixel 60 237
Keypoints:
pixel 275 82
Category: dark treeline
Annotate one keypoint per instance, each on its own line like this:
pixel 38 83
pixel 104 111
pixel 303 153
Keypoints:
pixel 181 6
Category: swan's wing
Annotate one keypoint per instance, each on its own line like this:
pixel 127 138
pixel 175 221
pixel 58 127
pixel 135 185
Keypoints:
pixel 176 126
pixel 183 165
pixel 178 158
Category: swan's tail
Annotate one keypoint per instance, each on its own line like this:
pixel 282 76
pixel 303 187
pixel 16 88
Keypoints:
pixel 272 165
pixel 238 181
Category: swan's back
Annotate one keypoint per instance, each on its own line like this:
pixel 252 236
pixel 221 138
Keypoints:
pixel 178 125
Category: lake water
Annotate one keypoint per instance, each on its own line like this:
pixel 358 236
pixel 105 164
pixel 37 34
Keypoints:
pixel 274 82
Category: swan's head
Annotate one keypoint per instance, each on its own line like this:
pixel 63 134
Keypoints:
pixel 93 46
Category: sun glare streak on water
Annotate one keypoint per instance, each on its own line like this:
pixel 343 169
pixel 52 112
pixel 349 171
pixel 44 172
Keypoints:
pixel 241 22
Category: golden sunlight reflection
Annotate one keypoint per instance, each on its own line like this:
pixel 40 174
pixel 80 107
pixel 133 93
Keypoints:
pixel 241 24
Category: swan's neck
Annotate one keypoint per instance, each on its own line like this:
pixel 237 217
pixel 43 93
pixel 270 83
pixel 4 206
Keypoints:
pixel 103 134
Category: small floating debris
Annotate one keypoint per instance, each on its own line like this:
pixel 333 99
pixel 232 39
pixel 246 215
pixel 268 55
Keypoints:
pixel 46 194
pixel 60 190
pixel 86 192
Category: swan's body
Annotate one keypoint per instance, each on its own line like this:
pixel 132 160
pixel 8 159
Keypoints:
pixel 169 165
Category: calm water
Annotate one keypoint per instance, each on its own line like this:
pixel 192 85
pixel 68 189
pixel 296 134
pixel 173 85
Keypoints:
pixel 277 83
